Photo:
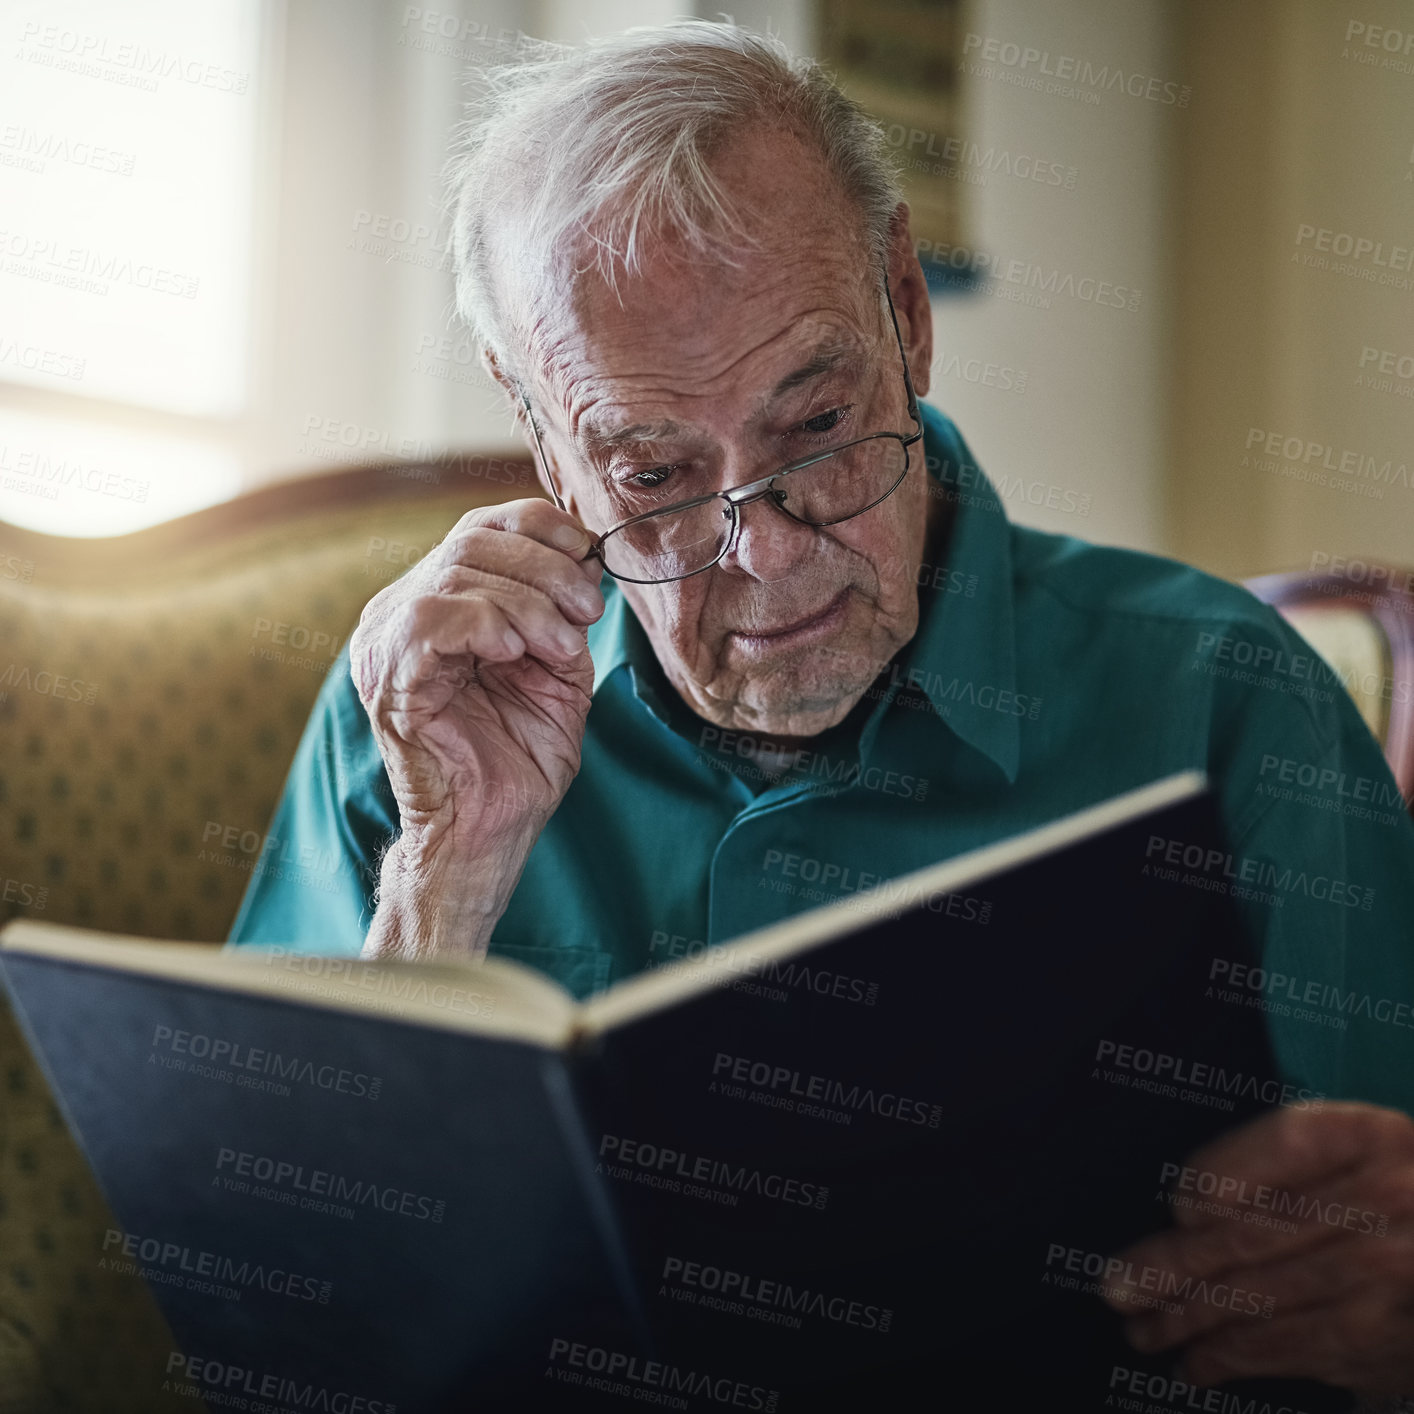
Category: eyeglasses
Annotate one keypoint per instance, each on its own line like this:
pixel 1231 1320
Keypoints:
pixel 688 537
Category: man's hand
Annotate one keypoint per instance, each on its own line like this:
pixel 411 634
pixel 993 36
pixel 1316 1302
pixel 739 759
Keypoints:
pixel 475 675
pixel 1336 1265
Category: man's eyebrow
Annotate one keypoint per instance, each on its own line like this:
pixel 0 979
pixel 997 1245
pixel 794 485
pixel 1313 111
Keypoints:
pixel 824 358
pixel 596 442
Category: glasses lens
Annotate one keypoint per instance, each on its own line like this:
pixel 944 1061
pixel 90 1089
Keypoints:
pixel 682 542
pixel 670 545
pixel 846 483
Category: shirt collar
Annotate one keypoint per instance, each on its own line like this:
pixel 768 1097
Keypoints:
pixel 962 656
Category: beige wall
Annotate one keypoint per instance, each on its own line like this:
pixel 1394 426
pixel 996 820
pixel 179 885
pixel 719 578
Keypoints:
pixel 1146 412
pixel 1290 130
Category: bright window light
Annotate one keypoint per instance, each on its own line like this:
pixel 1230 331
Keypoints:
pixel 78 478
pixel 127 139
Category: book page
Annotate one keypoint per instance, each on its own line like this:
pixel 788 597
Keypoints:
pixel 495 997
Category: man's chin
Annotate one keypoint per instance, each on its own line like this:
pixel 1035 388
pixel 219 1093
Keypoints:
pixel 787 708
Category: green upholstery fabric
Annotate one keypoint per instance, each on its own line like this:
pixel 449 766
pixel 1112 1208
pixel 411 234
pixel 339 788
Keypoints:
pixel 108 814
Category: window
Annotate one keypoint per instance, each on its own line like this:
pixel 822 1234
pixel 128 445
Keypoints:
pixel 128 137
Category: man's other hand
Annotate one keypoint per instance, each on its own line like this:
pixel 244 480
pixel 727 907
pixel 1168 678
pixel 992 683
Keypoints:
pixel 1309 1215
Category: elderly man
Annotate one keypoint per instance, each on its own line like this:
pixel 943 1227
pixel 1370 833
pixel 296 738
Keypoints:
pixel 776 625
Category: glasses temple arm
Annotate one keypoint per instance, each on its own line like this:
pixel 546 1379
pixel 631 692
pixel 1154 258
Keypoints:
pixel 907 377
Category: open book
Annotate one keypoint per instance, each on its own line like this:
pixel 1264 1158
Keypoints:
pixel 824 1157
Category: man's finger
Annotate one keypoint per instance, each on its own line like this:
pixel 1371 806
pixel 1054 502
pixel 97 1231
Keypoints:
pixel 1273 1223
pixel 477 627
pixel 1328 1276
pixel 515 559
pixel 548 634
pixel 1357 1348
pixel 1290 1147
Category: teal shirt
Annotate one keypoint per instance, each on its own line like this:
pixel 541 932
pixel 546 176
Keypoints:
pixel 1046 675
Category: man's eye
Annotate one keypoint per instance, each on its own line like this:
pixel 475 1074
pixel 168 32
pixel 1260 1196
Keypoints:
pixel 653 477
pixel 825 422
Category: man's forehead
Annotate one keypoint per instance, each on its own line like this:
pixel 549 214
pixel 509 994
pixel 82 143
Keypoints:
pixel 834 350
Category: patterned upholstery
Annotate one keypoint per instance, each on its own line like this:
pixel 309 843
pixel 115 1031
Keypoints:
pixel 152 691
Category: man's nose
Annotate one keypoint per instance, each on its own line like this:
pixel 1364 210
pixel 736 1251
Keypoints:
pixel 770 545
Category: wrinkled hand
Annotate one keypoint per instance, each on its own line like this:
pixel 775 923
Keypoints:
pixel 475 674
pixel 1307 1270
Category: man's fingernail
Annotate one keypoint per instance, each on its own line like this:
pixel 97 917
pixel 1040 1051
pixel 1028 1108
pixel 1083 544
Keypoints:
pixel 568 536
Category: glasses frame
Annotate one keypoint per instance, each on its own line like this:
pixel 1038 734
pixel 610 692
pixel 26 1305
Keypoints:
pixel 762 488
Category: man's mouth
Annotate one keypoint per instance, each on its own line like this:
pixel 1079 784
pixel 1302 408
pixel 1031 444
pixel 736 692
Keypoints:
pixel 815 624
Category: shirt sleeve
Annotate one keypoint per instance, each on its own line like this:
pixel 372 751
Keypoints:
pixel 1323 867
pixel 312 889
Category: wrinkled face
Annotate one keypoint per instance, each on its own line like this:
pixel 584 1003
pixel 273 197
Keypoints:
pixel 705 378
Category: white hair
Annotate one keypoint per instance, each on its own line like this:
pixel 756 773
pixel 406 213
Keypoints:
pixel 607 146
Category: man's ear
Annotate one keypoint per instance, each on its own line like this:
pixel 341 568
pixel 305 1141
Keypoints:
pixel 492 365
pixel 909 289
